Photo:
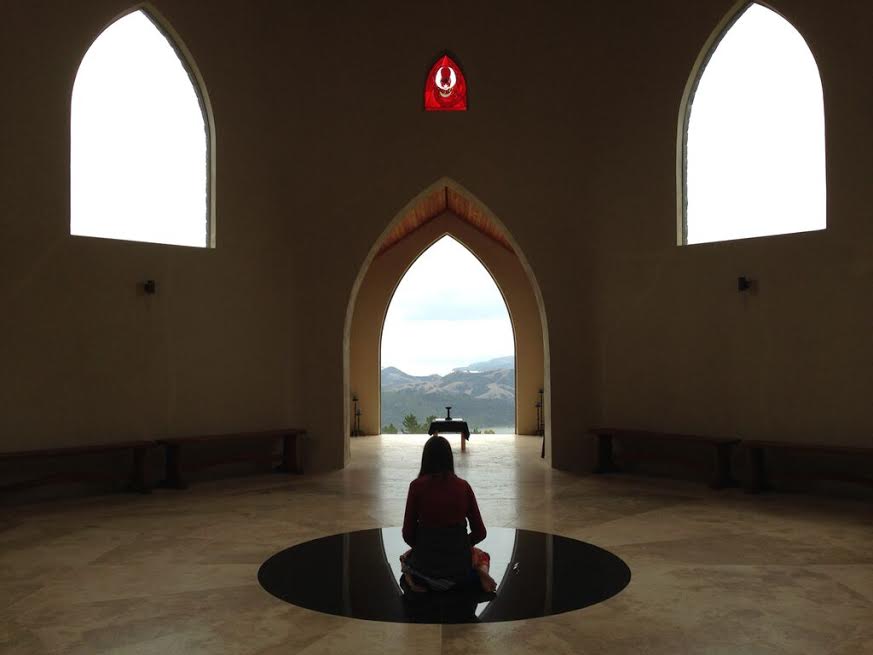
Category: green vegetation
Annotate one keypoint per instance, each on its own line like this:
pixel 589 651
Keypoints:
pixel 410 425
pixel 482 394
pixel 396 405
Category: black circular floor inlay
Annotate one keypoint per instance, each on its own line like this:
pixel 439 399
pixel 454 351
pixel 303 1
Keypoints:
pixel 357 574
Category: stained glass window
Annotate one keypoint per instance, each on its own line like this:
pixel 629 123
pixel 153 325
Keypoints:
pixel 446 87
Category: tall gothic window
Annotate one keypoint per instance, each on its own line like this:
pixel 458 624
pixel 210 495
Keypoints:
pixel 140 140
pixel 754 150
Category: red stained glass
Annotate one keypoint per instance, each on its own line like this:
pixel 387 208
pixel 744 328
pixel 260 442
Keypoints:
pixel 446 87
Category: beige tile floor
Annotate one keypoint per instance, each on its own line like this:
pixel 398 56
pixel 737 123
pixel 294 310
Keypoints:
pixel 175 572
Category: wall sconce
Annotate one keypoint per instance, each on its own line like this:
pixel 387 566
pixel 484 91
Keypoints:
pixel 744 284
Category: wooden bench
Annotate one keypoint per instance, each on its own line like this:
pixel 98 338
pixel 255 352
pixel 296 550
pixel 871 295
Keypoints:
pixel 757 478
pixel 721 475
pixel 287 458
pixel 135 476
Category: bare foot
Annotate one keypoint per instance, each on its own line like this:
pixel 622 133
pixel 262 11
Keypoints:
pixel 413 585
pixel 488 583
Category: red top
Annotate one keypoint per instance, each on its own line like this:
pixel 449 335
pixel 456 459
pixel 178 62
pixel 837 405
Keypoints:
pixel 440 501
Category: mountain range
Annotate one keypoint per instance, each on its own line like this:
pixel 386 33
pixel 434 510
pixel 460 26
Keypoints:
pixel 482 393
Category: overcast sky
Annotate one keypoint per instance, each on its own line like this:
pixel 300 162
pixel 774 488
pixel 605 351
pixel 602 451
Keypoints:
pixel 756 146
pixel 446 312
pixel 138 140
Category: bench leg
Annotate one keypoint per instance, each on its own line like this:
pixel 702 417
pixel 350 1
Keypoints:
pixel 289 455
pixel 723 476
pixel 756 480
pixel 174 480
pixel 138 476
pixel 605 460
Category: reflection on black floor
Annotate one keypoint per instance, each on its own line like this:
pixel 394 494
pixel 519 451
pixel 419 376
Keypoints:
pixel 357 574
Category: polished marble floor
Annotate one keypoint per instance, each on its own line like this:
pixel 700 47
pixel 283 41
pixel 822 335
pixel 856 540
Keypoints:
pixel 176 572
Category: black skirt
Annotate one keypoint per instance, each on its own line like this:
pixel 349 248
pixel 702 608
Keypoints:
pixel 441 557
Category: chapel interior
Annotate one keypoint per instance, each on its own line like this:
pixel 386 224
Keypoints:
pixel 724 385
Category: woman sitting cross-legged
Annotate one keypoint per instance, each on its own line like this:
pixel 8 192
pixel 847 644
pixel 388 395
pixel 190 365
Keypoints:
pixel 438 507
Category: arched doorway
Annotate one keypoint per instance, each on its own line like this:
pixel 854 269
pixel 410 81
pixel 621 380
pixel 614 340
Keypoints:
pixel 447 339
pixel 445 208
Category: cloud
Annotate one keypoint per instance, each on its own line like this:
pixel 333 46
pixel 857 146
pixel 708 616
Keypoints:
pixel 446 312
pixel 447 282
pixel 427 347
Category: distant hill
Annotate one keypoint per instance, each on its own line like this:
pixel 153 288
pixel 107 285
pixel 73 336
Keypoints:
pixel 490 365
pixel 483 393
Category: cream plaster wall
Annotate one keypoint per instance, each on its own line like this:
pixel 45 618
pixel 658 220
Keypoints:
pixel 377 289
pixel 86 356
pixel 570 139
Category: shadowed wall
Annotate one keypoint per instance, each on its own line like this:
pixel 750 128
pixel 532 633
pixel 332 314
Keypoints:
pixel 570 139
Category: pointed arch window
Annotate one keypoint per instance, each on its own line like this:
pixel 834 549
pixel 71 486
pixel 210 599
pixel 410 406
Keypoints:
pixel 754 137
pixel 140 140
pixel 446 87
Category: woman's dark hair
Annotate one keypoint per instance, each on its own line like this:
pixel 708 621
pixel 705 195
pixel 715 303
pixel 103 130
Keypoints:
pixel 437 457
